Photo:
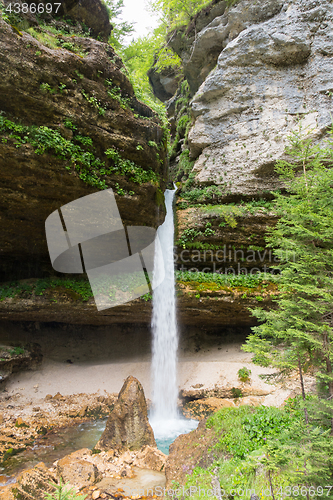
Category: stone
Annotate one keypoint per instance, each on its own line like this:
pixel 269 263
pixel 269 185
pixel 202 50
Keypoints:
pixel 128 426
pixel 78 472
pixel 245 108
pixel 31 484
pixel 20 423
pixel 42 184
pixel 59 397
pixel 96 494
pixel 150 458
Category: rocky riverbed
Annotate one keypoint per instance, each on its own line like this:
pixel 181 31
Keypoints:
pixel 78 381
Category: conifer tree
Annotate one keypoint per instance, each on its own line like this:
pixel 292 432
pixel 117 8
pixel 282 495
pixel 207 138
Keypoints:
pixel 298 333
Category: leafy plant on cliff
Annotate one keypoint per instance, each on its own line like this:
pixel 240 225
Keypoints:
pixel 78 153
pixel 129 168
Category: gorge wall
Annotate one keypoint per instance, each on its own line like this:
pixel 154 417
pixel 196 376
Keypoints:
pixel 249 72
pixel 65 102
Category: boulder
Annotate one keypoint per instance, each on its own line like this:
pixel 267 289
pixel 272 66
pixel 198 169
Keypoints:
pixel 150 458
pixel 31 484
pixel 78 472
pixel 128 426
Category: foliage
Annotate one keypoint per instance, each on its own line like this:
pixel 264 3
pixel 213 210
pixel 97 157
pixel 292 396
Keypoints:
pixel 244 374
pixel 232 280
pixel 78 153
pixel 266 448
pixel 121 29
pixel 115 93
pixel 96 103
pixel 303 321
pixel 16 351
pixel 191 233
pixel 80 287
pixel 63 492
pixel 138 57
pixel 129 168
pixel 203 195
pixel 174 13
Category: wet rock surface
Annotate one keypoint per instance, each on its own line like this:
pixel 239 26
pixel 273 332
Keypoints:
pixel 128 426
pixel 25 424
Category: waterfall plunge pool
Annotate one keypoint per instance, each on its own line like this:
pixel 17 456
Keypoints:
pixel 166 431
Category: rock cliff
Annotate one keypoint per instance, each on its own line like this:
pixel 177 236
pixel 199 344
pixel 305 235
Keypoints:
pixel 70 125
pixel 254 74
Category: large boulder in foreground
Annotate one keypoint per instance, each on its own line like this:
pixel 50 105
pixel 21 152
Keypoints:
pixel 128 426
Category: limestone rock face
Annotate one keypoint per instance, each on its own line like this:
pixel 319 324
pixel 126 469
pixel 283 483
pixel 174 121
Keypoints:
pixel 274 64
pixel 164 82
pixel 128 426
pixel 200 43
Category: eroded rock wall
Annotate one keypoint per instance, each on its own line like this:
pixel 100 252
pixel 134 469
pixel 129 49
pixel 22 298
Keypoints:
pixel 76 87
pixel 271 73
pixel 257 73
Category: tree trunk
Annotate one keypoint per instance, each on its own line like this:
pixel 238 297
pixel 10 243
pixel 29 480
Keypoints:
pixel 329 372
pixel 303 390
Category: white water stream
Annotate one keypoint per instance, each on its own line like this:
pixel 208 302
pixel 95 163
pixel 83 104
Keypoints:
pixel 165 418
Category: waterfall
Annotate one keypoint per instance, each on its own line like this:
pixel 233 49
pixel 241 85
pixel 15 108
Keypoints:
pixel 164 323
pixel 166 421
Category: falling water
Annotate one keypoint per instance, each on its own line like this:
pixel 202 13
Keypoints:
pixel 165 418
pixel 164 325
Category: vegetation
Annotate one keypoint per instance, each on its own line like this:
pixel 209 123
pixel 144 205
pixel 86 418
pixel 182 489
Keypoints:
pixel 191 233
pixel 63 492
pixel 80 287
pixel 76 288
pixel 265 449
pixel 230 280
pixel 303 321
pixel 244 374
pixel 77 153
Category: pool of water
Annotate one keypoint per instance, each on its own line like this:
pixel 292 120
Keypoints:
pixel 60 443
pixel 55 445
pixel 166 431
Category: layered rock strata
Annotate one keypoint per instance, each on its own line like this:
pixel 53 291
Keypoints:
pixel 68 88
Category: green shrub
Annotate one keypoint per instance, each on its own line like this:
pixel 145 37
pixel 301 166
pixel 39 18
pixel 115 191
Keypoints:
pixel 244 374
pixel 63 492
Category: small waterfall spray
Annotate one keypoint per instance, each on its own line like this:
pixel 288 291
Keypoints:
pixel 165 419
